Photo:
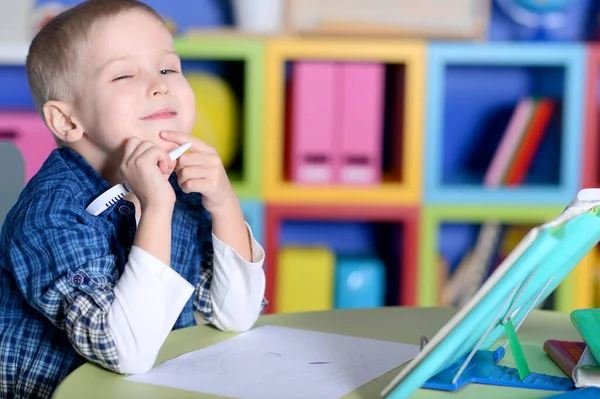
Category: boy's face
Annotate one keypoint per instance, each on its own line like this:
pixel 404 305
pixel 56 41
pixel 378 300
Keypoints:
pixel 132 84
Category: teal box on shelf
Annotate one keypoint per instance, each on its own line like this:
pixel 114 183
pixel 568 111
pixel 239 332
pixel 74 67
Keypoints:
pixel 359 282
pixel 254 214
pixel 473 92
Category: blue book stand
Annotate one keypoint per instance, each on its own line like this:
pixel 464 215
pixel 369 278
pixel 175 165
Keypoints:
pixel 482 369
pixel 465 351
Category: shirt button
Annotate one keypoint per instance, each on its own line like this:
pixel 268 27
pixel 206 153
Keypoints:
pixel 124 210
pixel 77 279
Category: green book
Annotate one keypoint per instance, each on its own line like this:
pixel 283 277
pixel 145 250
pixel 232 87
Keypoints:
pixel 587 322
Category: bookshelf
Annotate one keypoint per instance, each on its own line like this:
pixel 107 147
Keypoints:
pixel 244 55
pixel 472 88
pixel 401 263
pixel 453 102
pixel 463 85
pixel 404 187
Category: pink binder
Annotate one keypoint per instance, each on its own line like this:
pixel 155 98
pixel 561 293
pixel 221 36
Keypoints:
pixel 313 121
pixel 27 131
pixel 359 155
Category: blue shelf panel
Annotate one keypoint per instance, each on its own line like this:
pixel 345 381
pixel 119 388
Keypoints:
pixel 580 23
pixel 474 124
pixel 505 53
pixel 456 239
pixel 472 92
pixel 530 195
pixel 186 14
pixel 16 95
pixel 342 237
pixel 254 214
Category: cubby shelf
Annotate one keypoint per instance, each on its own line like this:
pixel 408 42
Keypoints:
pixel 452 95
pixel 470 84
pixel 405 190
pixel 566 298
pixel 408 217
pixel 250 52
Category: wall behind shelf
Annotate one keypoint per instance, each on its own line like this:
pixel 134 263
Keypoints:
pixel 478 104
pixel 15 94
pixel 581 24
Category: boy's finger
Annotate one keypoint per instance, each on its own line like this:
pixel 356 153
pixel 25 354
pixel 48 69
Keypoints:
pixel 192 158
pixel 164 166
pixel 142 148
pixel 181 138
pixel 164 161
pixel 130 146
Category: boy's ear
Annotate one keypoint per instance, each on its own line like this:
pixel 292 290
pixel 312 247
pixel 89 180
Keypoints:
pixel 60 120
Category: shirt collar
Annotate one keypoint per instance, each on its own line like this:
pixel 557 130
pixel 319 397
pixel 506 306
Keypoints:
pixel 91 183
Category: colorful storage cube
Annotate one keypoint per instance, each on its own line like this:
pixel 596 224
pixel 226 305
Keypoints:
pixel 359 282
pixel 304 279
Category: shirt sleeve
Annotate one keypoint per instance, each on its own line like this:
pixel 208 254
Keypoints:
pixel 64 267
pixel 230 294
pixel 148 298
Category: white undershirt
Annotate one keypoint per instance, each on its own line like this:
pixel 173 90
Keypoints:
pixel 149 297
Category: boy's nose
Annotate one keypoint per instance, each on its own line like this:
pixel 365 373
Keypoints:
pixel 159 87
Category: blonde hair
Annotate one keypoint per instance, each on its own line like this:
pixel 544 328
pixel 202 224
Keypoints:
pixel 56 53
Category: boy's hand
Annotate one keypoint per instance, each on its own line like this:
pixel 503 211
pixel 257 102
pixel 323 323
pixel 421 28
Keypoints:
pixel 145 169
pixel 201 171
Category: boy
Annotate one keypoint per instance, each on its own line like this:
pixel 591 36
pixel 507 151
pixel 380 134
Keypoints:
pixel 109 288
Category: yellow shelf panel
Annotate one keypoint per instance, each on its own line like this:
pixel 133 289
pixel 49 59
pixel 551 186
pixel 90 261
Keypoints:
pixel 386 193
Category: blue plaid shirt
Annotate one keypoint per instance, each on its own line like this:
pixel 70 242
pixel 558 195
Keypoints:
pixel 58 265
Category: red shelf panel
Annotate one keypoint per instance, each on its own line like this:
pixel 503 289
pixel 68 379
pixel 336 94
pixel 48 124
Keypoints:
pixel 407 216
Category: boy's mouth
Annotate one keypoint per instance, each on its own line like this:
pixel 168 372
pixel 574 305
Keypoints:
pixel 164 113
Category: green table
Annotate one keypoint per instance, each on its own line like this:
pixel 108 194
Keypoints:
pixel 393 323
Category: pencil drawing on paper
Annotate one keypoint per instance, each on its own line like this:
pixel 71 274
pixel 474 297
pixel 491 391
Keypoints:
pixel 279 362
pixel 294 358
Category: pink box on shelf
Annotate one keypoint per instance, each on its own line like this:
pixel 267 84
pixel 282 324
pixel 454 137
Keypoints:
pixel 27 131
pixel 314 98
pixel 359 154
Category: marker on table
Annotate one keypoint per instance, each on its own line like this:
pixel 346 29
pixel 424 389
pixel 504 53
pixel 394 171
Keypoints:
pixel 117 192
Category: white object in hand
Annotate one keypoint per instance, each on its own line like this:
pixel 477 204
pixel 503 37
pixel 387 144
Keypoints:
pixel 116 192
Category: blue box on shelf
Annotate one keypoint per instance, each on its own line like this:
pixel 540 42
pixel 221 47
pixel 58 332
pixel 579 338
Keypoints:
pixel 359 282
pixel 254 214
pixel 473 90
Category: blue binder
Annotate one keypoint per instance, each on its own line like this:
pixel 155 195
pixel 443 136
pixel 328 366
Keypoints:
pixel 462 351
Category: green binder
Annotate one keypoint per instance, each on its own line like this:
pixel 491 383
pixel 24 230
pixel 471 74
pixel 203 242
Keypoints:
pixel 587 322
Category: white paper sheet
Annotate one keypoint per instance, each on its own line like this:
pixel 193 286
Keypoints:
pixel 280 362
